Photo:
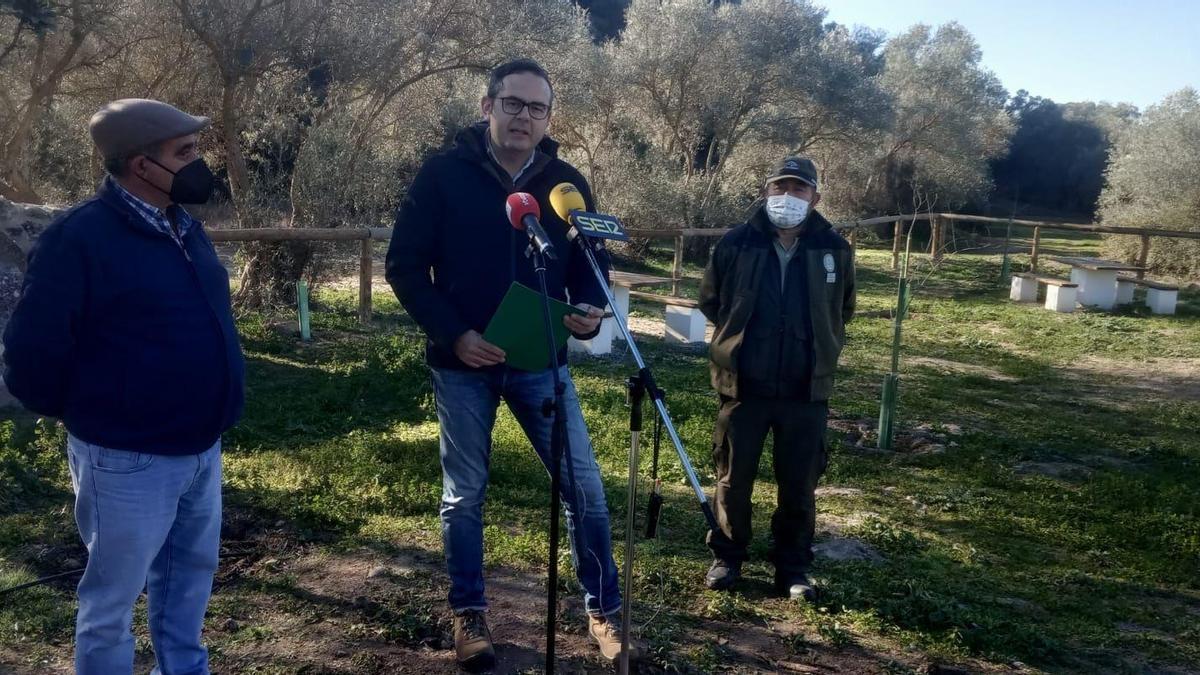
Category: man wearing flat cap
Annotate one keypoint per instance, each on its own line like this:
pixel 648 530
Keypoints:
pixel 780 290
pixel 124 331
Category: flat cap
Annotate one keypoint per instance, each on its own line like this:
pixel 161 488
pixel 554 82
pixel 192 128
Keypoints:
pixel 124 126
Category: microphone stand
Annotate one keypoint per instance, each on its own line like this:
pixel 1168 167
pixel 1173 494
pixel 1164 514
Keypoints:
pixel 559 447
pixel 656 395
pixel 640 385
pixel 637 387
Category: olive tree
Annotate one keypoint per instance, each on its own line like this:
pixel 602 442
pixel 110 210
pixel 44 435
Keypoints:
pixel 1153 180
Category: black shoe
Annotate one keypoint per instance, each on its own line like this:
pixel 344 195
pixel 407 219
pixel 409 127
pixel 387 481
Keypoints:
pixel 723 575
pixel 797 586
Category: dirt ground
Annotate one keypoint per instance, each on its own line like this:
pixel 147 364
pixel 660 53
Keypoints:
pixel 281 606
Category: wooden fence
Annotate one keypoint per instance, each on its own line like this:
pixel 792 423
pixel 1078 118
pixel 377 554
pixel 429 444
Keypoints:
pixel 941 230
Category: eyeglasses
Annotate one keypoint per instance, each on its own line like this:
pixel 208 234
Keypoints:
pixel 511 105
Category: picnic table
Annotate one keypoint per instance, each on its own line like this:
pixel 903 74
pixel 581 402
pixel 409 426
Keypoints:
pixel 621 283
pixel 683 322
pixel 1097 278
pixel 631 279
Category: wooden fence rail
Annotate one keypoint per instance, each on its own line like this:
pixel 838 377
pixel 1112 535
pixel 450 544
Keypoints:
pixel 941 230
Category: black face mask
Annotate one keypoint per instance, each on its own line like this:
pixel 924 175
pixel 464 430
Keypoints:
pixel 193 184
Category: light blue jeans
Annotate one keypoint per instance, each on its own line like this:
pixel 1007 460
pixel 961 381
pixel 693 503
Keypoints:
pixel 466 403
pixel 153 522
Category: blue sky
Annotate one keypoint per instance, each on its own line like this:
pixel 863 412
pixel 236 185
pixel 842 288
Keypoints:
pixel 1135 51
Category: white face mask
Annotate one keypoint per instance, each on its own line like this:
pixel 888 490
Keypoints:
pixel 786 211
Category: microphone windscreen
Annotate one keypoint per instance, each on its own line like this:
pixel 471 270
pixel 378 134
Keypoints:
pixel 519 205
pixel 564 199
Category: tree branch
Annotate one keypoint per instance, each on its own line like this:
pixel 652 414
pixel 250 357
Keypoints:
pixel 12 43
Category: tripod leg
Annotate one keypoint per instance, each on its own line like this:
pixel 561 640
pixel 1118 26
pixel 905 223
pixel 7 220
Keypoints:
pixel 630 510
pixel 637 393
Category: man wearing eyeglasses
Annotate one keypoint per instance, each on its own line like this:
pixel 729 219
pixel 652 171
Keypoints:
pixel 452 223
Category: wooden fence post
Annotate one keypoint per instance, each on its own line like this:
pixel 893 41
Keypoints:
pixel 677 266
pixel 365 264
pixel 1033 255
pixel 899 234
pixel 1143 256
pixel 935 237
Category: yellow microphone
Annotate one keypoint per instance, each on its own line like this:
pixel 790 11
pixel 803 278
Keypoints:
pixel 566 199
pixel 567 202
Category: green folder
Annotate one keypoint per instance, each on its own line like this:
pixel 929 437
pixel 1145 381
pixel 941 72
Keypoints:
pixel 518 327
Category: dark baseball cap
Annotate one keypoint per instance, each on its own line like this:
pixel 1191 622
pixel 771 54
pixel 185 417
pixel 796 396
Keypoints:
pixel 127 125
pixel 800 168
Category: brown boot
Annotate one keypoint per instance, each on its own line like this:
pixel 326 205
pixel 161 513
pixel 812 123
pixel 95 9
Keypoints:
pixel 606 631
pixel 473 641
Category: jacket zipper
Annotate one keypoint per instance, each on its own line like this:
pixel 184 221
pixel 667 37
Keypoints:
pixel 808 323
pixel 510 187
pixel 782 337
pixel 212 313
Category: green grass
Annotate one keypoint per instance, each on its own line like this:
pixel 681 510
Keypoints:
pixel 1096 573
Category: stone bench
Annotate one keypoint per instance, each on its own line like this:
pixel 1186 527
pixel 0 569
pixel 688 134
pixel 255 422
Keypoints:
pixel 1160 298
pixel 684 322
pixel 1060 293
pixel 599 345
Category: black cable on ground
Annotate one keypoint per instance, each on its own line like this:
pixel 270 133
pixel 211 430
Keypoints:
pixel 39 582
pixel 60 575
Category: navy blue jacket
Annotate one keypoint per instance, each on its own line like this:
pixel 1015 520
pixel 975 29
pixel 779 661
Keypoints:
pixel 452 222
pixel 127 338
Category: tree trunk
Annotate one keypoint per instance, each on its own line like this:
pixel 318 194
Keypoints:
pixel 15 182
pixel 14 185
pixel 697 249
pixel 235 159
pixel 270 273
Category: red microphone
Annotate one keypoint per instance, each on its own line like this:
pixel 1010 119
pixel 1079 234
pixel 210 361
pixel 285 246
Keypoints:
pixel 523 214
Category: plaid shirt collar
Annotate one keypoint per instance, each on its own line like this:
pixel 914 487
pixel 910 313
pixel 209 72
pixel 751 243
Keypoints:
pixel 157 218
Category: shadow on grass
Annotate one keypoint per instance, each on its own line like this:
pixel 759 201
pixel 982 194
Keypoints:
pixel 307 394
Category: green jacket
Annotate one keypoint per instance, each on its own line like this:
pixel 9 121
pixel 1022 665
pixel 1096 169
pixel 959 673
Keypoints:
pixel 728 296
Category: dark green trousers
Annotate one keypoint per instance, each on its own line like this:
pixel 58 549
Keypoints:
pixel 799 460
